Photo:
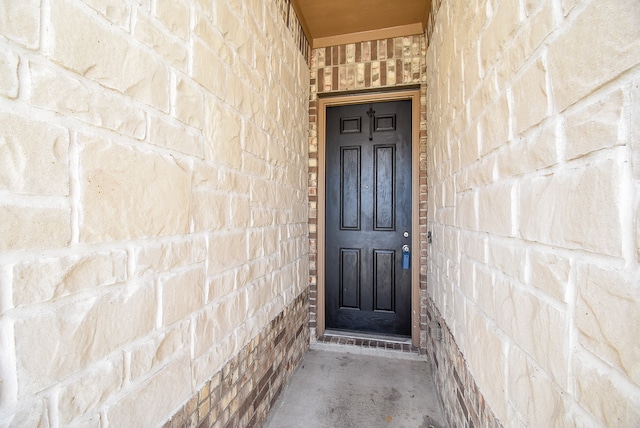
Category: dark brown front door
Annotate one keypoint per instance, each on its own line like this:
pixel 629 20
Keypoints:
pixel 368 217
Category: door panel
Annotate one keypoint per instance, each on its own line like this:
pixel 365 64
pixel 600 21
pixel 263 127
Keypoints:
pixel 368 209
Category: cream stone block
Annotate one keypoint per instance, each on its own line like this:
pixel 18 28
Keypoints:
pixel 550 273
pixel 227 251
pixel 508 258
pixel 536 150
pixel 152 403
pixel 468 146
pixel 530 99
pixel 170 256
pixel 535 29
pixel 205 175
pixel 174 136
pixel 60 93
pixel 264 194
pixel 473 244
pixel 537 327
pixel 599 392
pixel 494 209
pixel 182 294
pixel 565 208
pixel 217 321
pixel 106 56
pixel 175 16
pixel 56 342
pixel 221 285
pixel 595 126
pixel 9 84
pixel 116 11
pixel 608 317
pixel 485 356
pixel 50 278
pixel 494 126
pixel 212 361
pixel 534 394
pixel 575 75
pixel 234 181
pixel 20 22
pixel 212 38
pixel 240 212
pixel 466 216
pixel 23 228
pixel 128 194
pixel 90 389
pixel 159 349
pixel 34 156
pixel 208 69
pixel 485 292
pixel 189 103
pixel 210 210
pixel 222 130
pixel 147 31
pixel 32 413
pixel 501 29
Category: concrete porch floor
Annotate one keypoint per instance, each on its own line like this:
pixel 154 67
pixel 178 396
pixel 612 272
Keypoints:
pixel 346 386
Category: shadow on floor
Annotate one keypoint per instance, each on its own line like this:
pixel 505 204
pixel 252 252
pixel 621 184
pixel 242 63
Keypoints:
pixel 353 388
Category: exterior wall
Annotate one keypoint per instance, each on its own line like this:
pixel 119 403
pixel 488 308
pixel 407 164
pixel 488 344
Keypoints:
pixel 534 205
pixel 153 203
pixel 367 66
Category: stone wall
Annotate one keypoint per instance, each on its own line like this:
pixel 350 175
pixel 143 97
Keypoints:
pixel 153 201
pixel 373 65
pixel 534 205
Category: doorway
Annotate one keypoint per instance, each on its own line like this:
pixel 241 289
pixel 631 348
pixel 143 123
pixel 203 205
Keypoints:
pixel 368 243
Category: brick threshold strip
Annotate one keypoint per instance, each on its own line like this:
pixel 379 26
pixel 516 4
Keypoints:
pixel 368 342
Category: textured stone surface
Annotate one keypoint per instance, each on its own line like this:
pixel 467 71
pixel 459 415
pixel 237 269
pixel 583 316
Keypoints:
pixel 115 64
pixel 150 402
pixel 530 98
pixel 603 395
pixel 576 74
pixel 147 193
pixel 46 279
pixel 57 92
pixel 20 21
pixel 608 317
pixel 157 350
pixel 153 36
pixel 533 394
pixel 182 294
pixel 127 125
pixel 33 156
pixel 594 127
pixel 9 83
pixel 34 227
pixel 550 273
pixel 564 208
pixel 168 256
pixel 51 345
pixel 116 11
pixel 84 394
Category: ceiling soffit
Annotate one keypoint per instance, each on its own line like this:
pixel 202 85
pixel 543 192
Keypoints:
pixel 335 22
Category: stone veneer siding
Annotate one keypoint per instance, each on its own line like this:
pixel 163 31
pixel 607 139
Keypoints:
pixel 383 65
pixel 533 156
pixel 243 392
pixel 153 209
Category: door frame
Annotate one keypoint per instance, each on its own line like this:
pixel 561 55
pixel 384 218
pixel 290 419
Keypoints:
pixel 339 100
